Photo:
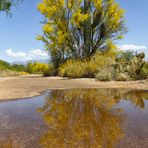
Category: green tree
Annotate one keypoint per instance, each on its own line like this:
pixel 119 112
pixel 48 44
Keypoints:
pixel 4 65
pixel 79 28
pixel 5 5
pixel 16 67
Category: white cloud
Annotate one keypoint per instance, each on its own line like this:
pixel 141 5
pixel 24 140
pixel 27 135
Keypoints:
pixel 138 48
pixel 31 55
pixel 38 52
pixel 15 54
pixel 132 47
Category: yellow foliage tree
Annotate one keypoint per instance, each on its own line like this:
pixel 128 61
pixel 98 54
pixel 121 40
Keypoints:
pixel 79 28
pixel 37 67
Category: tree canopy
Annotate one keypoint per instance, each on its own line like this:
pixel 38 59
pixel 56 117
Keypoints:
pixel 78 28
pixel 5 5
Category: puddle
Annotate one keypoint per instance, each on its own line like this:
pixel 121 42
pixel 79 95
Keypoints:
pixel 77 118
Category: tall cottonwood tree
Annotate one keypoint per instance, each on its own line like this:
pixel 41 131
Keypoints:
pixel 78 28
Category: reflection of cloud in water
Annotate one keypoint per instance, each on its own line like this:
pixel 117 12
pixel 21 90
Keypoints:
pixel 84 118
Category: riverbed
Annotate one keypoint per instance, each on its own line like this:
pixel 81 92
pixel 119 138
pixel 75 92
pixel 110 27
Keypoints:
pixel 34 85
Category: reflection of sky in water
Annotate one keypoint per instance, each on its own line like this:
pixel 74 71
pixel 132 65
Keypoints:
pixel 76 118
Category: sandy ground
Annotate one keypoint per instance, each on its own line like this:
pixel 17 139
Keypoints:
pixel 29 86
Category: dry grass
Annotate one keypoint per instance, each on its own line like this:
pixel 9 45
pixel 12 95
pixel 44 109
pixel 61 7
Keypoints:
pixel 8 73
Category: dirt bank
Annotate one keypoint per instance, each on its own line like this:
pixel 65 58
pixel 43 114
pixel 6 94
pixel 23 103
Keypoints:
pixel 28 86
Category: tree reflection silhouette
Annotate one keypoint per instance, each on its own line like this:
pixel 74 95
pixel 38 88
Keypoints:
pixel 6 144
pixel 82 118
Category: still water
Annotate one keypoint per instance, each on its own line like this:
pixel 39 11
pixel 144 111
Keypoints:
pixel 78 118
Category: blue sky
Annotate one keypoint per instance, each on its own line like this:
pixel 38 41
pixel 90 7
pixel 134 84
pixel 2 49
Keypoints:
pixel 18 34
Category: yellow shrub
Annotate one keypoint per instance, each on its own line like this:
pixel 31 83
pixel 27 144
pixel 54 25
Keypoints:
pixel 85 68
pixel 37 67
pixel 23 73
pixel 72 68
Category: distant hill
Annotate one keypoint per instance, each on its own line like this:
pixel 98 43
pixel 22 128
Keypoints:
pixel 30 61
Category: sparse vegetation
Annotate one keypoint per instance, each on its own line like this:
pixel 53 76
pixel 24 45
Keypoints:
pixel 120 66
pixel 8 73
pixel 7 69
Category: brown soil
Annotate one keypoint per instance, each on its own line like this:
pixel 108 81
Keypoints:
pixel 29 86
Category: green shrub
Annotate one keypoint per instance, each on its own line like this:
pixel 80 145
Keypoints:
pixel 143 74
pixel 51 71
pixel 144 71
pixel 102 76
pixel 105 74
pixel 4 65
pixel 126 55
pixel 131 64
pixel 19 68
pixel 15 67
pixel 122 77
pixel 146 65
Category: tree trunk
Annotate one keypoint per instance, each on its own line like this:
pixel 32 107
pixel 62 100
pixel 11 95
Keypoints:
pixel 87 30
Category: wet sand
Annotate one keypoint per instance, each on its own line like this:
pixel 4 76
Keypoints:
pixel 29 86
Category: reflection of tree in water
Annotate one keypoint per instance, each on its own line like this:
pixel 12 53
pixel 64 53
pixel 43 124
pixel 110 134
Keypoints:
pixel 135 97
pixel 5 144
pixel 82 118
